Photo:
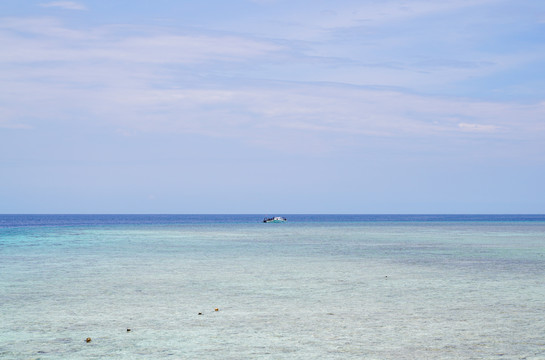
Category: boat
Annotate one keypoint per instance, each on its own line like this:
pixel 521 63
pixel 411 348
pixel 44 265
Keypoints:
pixel 275 219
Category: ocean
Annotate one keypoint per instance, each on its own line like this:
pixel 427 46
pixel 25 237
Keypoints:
pixel 232 287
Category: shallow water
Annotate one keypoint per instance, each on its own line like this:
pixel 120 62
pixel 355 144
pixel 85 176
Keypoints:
pixel 336 287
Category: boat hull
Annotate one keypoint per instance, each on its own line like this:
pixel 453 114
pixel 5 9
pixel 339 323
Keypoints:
pixel 276 219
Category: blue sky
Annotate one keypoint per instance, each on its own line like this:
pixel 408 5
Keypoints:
pixel 272 106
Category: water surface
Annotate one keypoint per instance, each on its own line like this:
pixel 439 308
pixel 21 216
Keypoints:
pixel 317 286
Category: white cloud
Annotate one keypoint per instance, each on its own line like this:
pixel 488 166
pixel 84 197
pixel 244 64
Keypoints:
pixel 395 10
pixel 190 48
pixel 68 5
pixel 11 125
pixel 477 127
pixel 319 111
pixel 43 29
pixel 160 80
pixel 317 23
pixel 50 41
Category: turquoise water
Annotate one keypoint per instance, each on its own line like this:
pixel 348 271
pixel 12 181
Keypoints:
pixel 315 287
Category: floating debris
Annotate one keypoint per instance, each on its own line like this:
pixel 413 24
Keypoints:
pixel 88 340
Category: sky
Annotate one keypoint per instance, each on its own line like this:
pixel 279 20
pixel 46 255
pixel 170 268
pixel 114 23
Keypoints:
pixel 272 106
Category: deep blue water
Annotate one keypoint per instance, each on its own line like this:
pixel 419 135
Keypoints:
pixel 15 220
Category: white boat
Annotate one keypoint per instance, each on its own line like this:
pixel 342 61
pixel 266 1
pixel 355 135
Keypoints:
pixel 275 219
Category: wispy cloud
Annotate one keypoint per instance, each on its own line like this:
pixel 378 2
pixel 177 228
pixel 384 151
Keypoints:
pixel 361 89
pixel 18 126
pixel 50 41
pixel 30 32
pixel 241 86
pixel 68 5
pixel 477 127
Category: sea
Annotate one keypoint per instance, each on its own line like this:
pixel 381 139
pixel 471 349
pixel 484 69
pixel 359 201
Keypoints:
pixel 233 287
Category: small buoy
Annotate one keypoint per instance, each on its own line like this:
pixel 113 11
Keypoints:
pixel 216 309
pixel 88 340
pixel 128 330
